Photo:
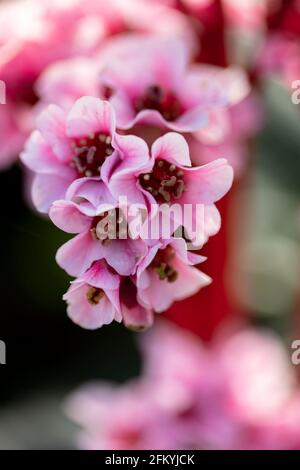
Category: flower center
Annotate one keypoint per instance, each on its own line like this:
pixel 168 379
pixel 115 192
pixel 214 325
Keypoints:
pixel 161 264
pixel 166 102
pixel 128 293
pixel 164 182
pixel 110 225
pixel 90 153
pixel 94 295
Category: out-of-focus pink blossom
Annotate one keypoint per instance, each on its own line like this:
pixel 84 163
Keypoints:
pixel 149 80
pixel 33 34
pixel 100 225
pixel 239 393
pixel 246 120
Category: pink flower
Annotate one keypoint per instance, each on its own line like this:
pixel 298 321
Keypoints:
pixel 100 296
pixel 165 275
pixel 168 178
pixel 101 227
pixel 150 82
pixel 93 299
pixel 238 393
pixel 34 34
pixel 280 55
pixel 68 146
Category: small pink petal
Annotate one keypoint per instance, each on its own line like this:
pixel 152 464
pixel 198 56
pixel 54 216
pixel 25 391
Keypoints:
pixel 90 115
pixel 67 216
pixel 48 188
pixel 173 148
pixel 208 183
pixel 77 255
pixel 52 125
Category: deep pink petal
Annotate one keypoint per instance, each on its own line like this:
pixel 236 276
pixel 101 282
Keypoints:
pixel 92 195
pixel 100 276
pixel 137 318
pixel 161 294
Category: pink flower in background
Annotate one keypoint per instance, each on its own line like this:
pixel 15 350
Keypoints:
pixel 117 418
pixel 149 81
pixel 165 274
pixel 246 120
pixel 69 146
pixel 34 34
pixel 239 393
pixel 280 55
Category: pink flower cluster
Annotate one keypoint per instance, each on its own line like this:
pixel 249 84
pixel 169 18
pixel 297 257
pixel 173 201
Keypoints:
pixel 112 145
pixel 239 393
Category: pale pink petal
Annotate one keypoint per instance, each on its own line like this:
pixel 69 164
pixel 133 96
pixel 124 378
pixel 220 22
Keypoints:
pixel 212 220
pixel 125 115
pixel 65 81
pixel 52 125
pixel 77 255
pixel 187 257
pixel 173 148
pixel 121 170
pixel 208 183
pixel 90 115
pixel 38 155
pixel 88 316
pixel 48 188
pixel 190 121
pixel 133 151
pixel 154 60
pixel 67 216
pixel 235 84
pixel 161 294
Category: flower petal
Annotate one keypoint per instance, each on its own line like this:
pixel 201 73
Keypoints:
pixel 208 183
pixel 48 188
pixel 67 216
pixel 77 255
pixel 173 148
pixel 90 115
